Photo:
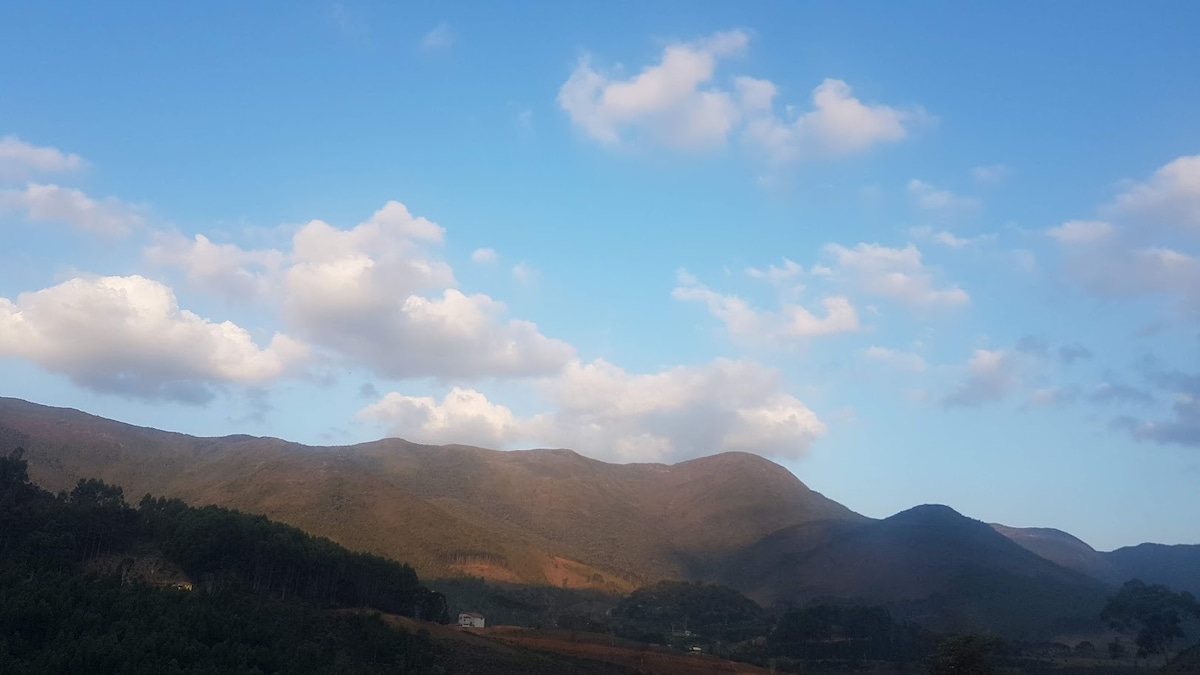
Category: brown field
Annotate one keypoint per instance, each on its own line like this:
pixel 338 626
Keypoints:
pixel 509 649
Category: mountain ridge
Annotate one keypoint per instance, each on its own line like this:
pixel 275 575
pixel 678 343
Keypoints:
pixel 553 517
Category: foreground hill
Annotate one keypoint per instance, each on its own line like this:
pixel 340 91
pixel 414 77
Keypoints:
pixel 536 517
pixel 555 518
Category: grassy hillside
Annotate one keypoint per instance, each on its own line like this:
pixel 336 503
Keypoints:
pixel 552 519
pixel 545 517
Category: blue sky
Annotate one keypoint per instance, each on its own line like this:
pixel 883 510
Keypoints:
pixel 918 252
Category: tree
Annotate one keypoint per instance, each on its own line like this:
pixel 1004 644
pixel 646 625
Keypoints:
pixel 1154 614
pixel 964 655
pixel 1116 649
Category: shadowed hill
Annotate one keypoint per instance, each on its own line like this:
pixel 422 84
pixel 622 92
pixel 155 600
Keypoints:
pixel 1064 549
pixel 553 517
pixel 1175 566
pixel 928 563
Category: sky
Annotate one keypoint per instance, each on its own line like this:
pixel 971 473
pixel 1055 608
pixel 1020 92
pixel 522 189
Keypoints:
pixel 927 252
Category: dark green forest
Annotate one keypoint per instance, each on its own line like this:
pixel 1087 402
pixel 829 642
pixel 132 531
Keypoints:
pixel 265 598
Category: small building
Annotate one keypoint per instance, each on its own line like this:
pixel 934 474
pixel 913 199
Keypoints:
pixel 470 620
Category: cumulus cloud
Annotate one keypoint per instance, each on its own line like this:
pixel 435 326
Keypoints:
pixel 464 416
pixel 894 273
pixel 607 413
pixel 525 274
pixel 992 375
pixel 1116 267
pixel 128 335
pixel 375 294
pixel 679 412
pixel 899 360
pixel 939 200
pixel 366 293
pixel 1170 198
pixel 1141 251
pixel 671 101
pixel 221 269
pixel 677 102
pixel 42 203
pixel 1182 428
pixel 1082 232
pixel 20 160
pixel 948 239
pixel 785 274
pixel 1047 397
pixel 484 256
pixel 839 124
pixel 791 322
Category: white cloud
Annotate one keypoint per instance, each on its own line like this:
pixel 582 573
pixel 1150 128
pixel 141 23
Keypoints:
pixel 778 276
pixel 838 125
pixel 894 273
pixel 904 361
pixel 792 322
pixel 989 173
pixel 464 416
pixel 1047 397
pixel 52 203
pixel 607 413
pixel 438 39
pixel 20 160
pixel 374 294
pixel 484 256
pixel 1169 198
pixel 948 239
pixel 992 375
pixel 525 274
pixel 667 101
pixel 942 201
pixel 221 269
pixel 1082 232
pixel 679 413
pixel 678 103
pixel 127 335
pixel 358 291
pixel 1139 252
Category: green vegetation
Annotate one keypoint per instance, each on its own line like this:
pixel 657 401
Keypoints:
pixel 1155 614
pixel 267 598
pixel 673 611
pixel 848 633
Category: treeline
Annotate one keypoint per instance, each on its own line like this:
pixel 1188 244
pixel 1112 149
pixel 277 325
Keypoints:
pixel 265 598
pixel 725 623
pixel 219 548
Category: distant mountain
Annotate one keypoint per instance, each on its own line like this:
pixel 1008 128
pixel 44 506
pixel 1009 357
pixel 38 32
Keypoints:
pixel 1175 566
pixel 929 564
pixel 553 517
pixel 1064 549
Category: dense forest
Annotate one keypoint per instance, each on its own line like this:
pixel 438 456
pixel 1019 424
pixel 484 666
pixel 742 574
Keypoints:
pixel 87 586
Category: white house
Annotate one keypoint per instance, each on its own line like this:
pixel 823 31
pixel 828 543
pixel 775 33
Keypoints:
pixel 470 620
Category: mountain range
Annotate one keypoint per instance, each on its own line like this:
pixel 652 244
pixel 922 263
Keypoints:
pixel 554 517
